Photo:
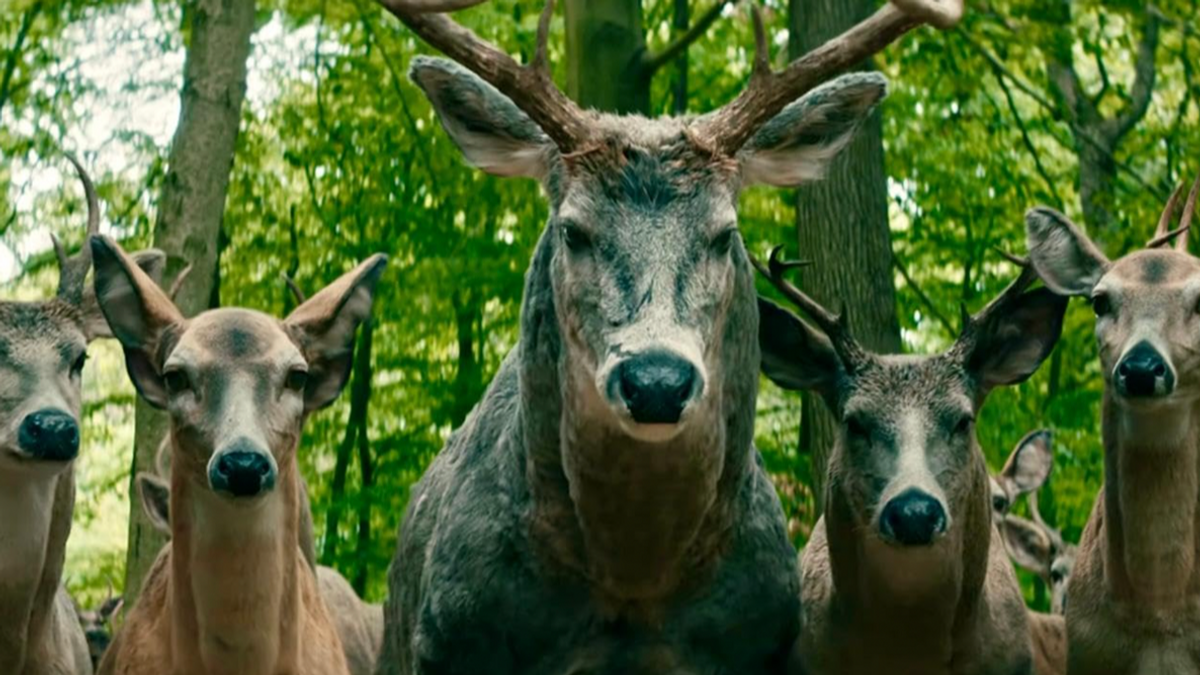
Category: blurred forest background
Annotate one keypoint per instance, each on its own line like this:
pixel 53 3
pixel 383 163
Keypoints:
pixel 1091 107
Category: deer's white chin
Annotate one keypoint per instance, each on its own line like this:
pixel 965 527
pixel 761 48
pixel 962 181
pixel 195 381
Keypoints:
pixel 651 433
pixel 13 458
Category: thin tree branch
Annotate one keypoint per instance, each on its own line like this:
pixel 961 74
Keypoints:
pixel 14 54
pixel 652 61
pixel 1143 84
pixel 932 308
pixel 1037 158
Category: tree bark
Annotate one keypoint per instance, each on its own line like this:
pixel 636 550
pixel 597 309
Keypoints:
pixel 362 378
pixel 190 211
pixel 356 432
pixel 468 378
pixel 679 88
pixel 842 225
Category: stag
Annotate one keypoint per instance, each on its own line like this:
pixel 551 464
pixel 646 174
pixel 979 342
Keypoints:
pixel 1135 590
pixel 905 573
pixel 43 349
pixel 603 508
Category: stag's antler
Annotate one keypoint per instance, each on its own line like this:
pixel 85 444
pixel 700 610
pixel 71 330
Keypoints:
pixel 769 92
pixel 73 270
pixel 1163 233
pixel 530 87
pixel 833 325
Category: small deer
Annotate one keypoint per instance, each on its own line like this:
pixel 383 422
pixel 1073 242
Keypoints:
pixel 1035 545
pixel 359 625
pixel 604 509
pixel 905 572
pixel 1135 591
pixel 97 626
pixel 231 593
pixel 43 348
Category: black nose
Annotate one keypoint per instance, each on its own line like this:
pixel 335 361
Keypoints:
pixel 242 473
pixel 50 435
pixel 914 518
pixel 656 387
pixel 1143 373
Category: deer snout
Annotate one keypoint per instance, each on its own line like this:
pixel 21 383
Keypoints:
pixel 242 471
pixel 655 387
pixel 913 518
pixel 49 435
pixel 1144 373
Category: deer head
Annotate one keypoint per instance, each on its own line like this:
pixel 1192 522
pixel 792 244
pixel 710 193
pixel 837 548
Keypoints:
pixel 907 460
pixel 1025 472
pixel 646 257
pixel 43 348
pixel 1145 303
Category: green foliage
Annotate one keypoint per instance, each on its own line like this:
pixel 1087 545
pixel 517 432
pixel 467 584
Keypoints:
pixel 341 157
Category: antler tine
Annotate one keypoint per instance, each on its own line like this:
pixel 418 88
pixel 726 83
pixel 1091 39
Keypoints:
pixel 762 49
pixel 1168 214
pixel 833 325
pixel 1012 257
pixel 73 270
pixel 1189 211
pixel 530 87
pixel 768 93
pixel 177 285
pixel 297 293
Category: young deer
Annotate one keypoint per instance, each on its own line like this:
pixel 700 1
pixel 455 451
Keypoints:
pixel 359 625
pixel 603 509
pixel 905 573
pixel 43 347
pixel 1030 545
pixel 231 594
pixel 1135 591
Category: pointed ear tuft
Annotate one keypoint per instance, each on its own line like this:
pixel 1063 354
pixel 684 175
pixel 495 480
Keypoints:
pixel 325 326
pixel 799 143
pixel 138 313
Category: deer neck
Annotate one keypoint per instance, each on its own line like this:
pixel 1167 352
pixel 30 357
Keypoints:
pixel 909 605
pixel 235 599
pixel 33 538
pixel 636 520
pixel 1152 492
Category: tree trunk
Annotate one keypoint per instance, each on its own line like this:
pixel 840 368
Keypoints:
pixel 605 46
pixel 362 378
pixel 190 211
pixel 679 88
pixel 468 378
pixel 842 225
pixel 356 432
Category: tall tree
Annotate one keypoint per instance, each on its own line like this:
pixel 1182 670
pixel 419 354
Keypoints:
pixel 191 208
pixel 842 225
pixel 609 65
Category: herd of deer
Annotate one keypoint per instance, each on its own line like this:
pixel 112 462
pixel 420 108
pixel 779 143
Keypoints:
pixel 603 509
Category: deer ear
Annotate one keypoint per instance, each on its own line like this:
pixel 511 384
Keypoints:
pixel 799 143
pixel 1027 544
pixel 487 126
pixel 795 356
pixel 155 495
pixel 1011 346
pixel 1030 463
pixel 325 326
pixel 151 261
pixel 1064 257
pixel 138 314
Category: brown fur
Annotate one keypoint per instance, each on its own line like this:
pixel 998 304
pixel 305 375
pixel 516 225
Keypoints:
pixel 1049 634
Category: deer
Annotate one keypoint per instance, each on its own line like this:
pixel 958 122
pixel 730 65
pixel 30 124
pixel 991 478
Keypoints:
pixel 97 626
pixel 603 508
pixel 905 572
pixel 43 350
pixel 231 593
pixel 1035 545
pixel 359 625
pixel 1134 594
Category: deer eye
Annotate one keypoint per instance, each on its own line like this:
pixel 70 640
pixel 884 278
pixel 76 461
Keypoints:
pixel 296 380
pixel 1101 305
pixel 857 428
pixel 177 381
pixel 576 239
pixel 1056 576
pixel 77 367
pixel 1000 504
pixel 964 425
pixel 723 242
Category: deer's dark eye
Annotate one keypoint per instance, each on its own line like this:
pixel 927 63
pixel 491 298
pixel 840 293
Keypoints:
pixel 964 425
pixel 177 381
pixel 1000 504
pixel 296 380
pixel 576 239
pixel 1101 305
pixel 77 367
pixel 723 242
pixel 857 428
pixel 1056 576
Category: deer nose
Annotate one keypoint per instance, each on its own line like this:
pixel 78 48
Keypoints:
pixel 1143 373
pixel 50 435
pixel 242 472
pixel 913 518
pixel 656 386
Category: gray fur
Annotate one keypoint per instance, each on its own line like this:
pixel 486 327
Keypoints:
pixel 553 534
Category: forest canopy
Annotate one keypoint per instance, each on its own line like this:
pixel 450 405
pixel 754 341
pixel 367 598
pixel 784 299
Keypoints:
pixel 1089 107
